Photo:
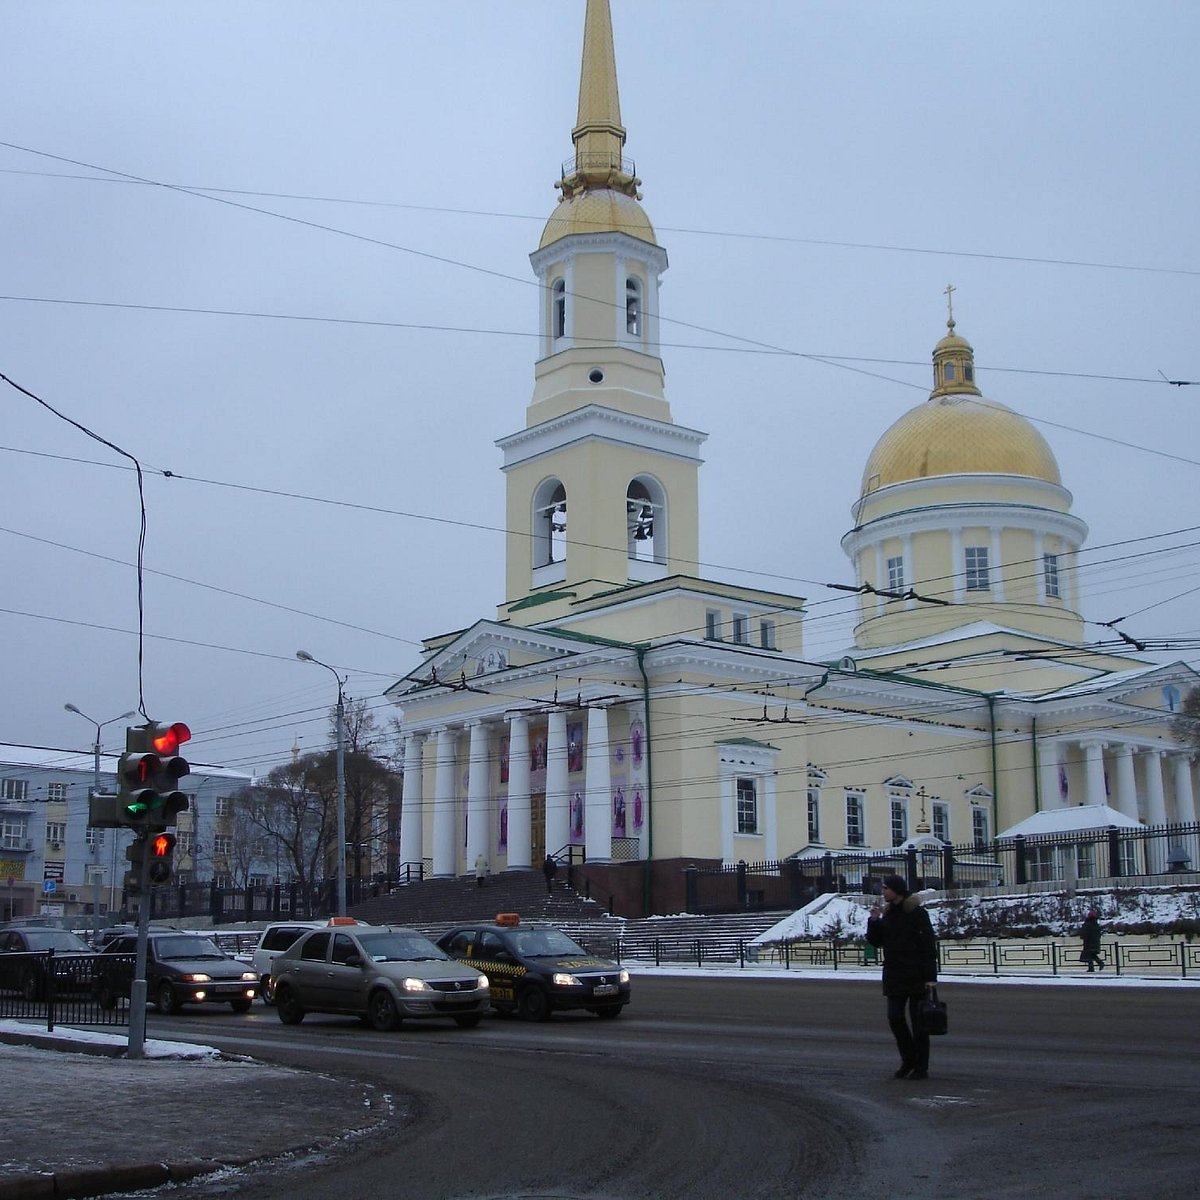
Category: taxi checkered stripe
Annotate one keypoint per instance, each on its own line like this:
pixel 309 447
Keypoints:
pixel 495 968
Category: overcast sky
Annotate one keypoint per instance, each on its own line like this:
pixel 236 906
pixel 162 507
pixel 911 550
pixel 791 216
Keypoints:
pixel 818 173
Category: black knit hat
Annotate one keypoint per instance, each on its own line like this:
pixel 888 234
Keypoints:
pixel 897 884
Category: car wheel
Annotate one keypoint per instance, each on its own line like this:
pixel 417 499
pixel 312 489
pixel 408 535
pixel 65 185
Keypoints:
pixel 468 1021
pixel 381 1011
pixel 287 1006
pixel 164 1000
pixel 31 988
pixel 534 1004
pixel 266 989
pixel 240 1005
pixel 105 996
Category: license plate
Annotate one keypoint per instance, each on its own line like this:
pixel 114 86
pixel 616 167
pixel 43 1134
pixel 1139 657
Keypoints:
pixel 604 989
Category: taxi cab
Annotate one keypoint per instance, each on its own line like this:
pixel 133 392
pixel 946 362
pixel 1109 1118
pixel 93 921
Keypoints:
pixel 534 970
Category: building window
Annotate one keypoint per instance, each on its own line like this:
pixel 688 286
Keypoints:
pixel 741 629
pixel 223 807
pixel 222 880
pixel 258 881
pixel 899 813
pixel 94 838
pixel 56 792
pixel 13 832
pixel 979 828
pixel 645 540
pixel 559 318
pixel 766 634
pixel 56 832
pixel 14 789
pixel 633 307
pixel 183 843
pixel 222 845
pixel 895 572
pixel 949 372
pixel 941 821
pixel 1050 574
pixel 814 813
pixel 712 624
pixel 977 569
pixel 747 805
pixel 855 830
pixel 550 527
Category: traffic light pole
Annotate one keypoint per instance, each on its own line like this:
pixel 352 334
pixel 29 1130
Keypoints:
pixel 137 990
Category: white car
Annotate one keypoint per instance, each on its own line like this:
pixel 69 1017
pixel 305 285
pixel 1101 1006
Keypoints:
pixel 275 940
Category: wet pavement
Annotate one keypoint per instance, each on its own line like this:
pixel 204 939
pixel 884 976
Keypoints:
pixel 79 1119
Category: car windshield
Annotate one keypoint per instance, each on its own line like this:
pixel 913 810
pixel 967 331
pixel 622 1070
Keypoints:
pixel 187 947
pixel 54 939
pixel 389 946
pixel 545 943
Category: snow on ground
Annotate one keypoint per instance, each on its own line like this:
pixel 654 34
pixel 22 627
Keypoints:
pixel 154 1047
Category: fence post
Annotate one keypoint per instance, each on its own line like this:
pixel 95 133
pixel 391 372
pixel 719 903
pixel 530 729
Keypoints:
pixel 214 902
pixel 1019 857
pixel 947 867
pixel 910 866
pixel 1114 852
pixel 995 958
pixel 1053 958
pixel 826 872
pixel 741 885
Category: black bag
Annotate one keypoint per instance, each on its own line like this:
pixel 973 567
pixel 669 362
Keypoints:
pixel 931 1014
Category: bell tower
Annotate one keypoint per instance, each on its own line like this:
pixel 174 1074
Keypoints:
pixel 602 486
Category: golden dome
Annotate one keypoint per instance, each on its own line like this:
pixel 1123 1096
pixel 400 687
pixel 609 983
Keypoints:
pixel 959 434
pixel 599 210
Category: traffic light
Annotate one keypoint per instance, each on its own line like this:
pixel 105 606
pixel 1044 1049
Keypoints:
pixel 162 848
pixel 148 772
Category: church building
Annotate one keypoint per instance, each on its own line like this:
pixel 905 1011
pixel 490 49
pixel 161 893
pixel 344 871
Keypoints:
pixel 622 709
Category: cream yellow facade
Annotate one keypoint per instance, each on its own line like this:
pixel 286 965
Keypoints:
pixel 622 707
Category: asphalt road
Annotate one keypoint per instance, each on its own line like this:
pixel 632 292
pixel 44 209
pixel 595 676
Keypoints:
pixel 756 1088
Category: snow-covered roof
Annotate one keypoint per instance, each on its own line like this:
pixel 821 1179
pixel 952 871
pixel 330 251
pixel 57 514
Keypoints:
pixel 1070 820
pixel 962 633
pixel 1114 679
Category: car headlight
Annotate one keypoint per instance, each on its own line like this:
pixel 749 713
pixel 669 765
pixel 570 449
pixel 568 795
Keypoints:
pixel 415 985
pixel 199 977
pixel 623 976
pixel 561 979
pixel 248 976
pixel 482 983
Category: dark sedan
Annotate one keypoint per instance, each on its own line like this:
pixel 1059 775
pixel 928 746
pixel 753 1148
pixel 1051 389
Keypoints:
pixel 25 959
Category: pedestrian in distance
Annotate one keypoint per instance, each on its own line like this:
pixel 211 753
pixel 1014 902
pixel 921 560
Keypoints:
pixel 480 870
pixel 902 930
pixel 1089 932
pixel 549 869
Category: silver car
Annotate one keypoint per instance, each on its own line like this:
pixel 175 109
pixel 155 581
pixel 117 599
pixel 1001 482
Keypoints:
pixel 378 972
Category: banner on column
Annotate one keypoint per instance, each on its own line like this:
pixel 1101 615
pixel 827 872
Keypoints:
pixel 619 814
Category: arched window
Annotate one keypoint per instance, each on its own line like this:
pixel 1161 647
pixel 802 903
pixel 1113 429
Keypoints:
pixel 550 524
pixel 633 307
pixel 559 308
pixel 949 372
pixel 645 513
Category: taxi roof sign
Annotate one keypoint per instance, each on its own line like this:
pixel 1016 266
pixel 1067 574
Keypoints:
pixel 342 921
pixel 508 918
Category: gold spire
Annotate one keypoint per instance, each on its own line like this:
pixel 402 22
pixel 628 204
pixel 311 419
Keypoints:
pixel 598 135
pixel 953 360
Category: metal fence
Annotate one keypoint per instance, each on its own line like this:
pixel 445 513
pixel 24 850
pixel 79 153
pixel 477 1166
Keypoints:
pixel 273 902
pixel 55 988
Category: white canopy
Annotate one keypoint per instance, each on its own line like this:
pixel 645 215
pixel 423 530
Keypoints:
pixel 1070 819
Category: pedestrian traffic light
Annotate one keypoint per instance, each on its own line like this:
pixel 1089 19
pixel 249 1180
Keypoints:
pixel 148 772
pixel 162 848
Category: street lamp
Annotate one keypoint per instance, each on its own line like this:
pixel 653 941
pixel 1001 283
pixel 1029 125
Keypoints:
pixel 96 791
pixel 304 656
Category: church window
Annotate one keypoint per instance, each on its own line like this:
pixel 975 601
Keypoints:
pixel 560 308
pixel 766 634
pixel 550 524
pixel 980 835
pixel 948 372
pixel 1050 574
pixel 747 805
pixel 712 624
pixel 633 307
pixel 895 571
pixel 814 813
pixel 644 510
pixel 741 629
pixel 969 373
pixel 977 569
pixel 855 829
pixel 940 812
pixel 899 813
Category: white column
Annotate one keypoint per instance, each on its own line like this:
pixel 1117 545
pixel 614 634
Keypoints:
pixel 1156 805
pixel 1126 782
pixel 957 566
pixel 881 580
pixel 995 574
pixel 1039 566
pixel 478 761
pixel 1093 773
pixel 558 799
pixel 910 568
pixel 1048 775
pixel 411 807
pixel 770 818
pixel 444 845
pixel 1185 800
pixel 597 804
pixel 519 835
pixel 728 811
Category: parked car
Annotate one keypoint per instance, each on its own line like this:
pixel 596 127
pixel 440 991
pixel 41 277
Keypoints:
pixel 378 972
pixel 274 940
pixel 535 969
pixel 27 973
pixel 181 968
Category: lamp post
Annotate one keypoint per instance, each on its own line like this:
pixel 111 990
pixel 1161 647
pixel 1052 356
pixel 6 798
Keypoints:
pixel 96 791
pixel 304 656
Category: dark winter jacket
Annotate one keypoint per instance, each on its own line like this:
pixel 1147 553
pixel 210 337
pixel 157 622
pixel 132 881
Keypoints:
pixel 1090 933
pixel 905 935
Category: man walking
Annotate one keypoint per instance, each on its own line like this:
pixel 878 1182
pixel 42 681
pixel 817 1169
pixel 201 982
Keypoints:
pixel 549 869
pixel 903 931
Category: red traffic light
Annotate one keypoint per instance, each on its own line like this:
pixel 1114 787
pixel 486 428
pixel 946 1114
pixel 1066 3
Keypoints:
pixel 162 845
pixel 167 739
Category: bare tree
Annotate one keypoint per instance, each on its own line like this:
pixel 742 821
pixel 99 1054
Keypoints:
pixel 1186 726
